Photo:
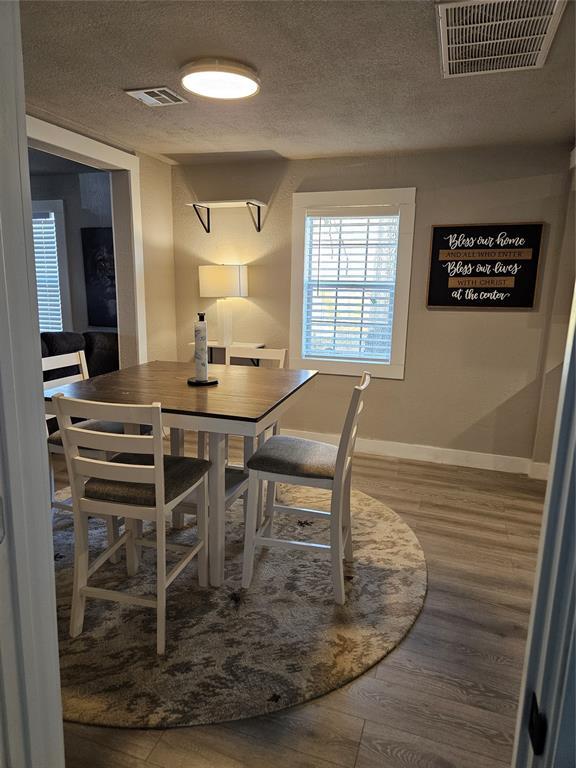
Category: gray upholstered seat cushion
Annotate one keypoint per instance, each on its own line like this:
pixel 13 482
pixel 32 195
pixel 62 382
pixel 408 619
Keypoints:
pixel 294 456
pixel 97 426
pixel 180 473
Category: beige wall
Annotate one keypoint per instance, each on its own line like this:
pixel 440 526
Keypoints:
pixel 472 378
pixel 159 276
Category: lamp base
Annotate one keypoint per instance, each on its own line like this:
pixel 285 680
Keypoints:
pixel 209 382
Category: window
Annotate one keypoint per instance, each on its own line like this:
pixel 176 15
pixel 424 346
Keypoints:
pixel 351 263
pixel 50 263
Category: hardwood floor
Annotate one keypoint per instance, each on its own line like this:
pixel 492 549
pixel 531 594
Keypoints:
pixel 445 698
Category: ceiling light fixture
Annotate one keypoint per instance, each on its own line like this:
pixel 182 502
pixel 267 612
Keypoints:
pixel 220 79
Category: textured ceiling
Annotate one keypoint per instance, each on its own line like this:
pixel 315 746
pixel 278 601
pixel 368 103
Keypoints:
pixel 338 77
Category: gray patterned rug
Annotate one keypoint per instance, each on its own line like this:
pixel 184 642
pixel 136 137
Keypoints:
pixel 231 653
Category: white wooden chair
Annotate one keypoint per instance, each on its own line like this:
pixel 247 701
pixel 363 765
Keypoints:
pixel 276 356
pixel 236 478
pixel 69 360
pixel 73 360
pixel 305 462
pixel 137 483
pixel 257 354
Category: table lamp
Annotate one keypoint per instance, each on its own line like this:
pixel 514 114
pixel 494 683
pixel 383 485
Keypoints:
pixel 221 281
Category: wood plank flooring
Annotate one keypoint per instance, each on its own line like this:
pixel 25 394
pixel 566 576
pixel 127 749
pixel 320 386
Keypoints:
pixel 445 698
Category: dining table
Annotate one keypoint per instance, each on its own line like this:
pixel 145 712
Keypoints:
pixel 246 401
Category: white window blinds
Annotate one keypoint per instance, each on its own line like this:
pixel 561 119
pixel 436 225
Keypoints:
pixel 349 284
pixel 47 272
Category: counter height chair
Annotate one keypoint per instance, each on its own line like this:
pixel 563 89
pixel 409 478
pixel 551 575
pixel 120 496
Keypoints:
pixel 277 357
pixel 237 476
pixel 73 366
pixel 137 482
pixel 69 362
pixel 76 369
pixel 257 355
pixel 296 461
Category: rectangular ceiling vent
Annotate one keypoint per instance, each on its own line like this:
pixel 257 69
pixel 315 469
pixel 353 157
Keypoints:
pixel 481 36
pixel 157 97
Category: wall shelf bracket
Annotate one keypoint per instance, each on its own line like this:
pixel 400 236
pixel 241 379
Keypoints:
pixel 202 209
pixel 255 210
pixel 204 221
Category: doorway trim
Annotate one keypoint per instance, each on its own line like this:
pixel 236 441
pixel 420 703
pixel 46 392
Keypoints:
pixel 31 733
pixel 127 221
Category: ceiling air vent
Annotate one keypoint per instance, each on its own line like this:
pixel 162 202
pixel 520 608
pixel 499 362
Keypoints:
pixel 157 97
pixel 481 36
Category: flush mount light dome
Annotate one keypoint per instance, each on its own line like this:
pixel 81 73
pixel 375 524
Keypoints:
pixel 220 79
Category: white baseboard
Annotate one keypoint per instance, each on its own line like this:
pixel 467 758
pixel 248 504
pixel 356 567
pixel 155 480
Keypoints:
pixel 515 464
pixel 538 470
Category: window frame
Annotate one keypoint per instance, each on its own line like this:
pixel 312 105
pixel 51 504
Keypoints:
pixel 402 200
pixel 57 208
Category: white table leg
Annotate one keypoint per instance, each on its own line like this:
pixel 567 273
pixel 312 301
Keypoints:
pixel 217 510
pixel 177 449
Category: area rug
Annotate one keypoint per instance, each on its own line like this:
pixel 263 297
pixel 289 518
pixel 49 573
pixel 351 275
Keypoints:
pixel 234 653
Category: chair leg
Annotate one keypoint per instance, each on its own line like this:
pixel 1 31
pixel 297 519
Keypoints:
pixel 161 588
pixel 347 520
pixel 80 573
pixel 139 531
pixel 336 549
pixel 249 448
pixel 132 550
pixel 260 440
pixel 202 526
pixel 201 445
pixel 177 449
pixel 113 529
pixel 250 529
pixel 270 501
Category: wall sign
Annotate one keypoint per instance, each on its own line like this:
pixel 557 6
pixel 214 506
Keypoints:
pixel 484 265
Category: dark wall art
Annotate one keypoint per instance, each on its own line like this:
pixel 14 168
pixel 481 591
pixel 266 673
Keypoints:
pixel 484 266
pixel 99 276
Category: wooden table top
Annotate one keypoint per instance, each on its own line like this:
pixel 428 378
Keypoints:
pixel 245 393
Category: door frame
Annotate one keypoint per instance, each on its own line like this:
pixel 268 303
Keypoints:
pixel 124 171
pixel 549 661
pixel 31 732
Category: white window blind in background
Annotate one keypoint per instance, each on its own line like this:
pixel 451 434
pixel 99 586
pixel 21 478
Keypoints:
pixel 47 271
pixel 349 286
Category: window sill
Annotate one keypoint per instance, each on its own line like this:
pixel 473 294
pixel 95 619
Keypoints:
pixel 343 368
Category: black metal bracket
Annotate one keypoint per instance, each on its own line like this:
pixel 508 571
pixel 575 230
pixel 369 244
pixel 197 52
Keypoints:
pixel 254 209
pixel 205 224
pixel 256 217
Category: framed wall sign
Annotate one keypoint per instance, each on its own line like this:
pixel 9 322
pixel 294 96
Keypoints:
pixel 484 265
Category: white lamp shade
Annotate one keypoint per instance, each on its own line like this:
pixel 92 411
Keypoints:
pixel 221 281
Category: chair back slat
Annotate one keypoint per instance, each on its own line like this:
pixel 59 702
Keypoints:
pixel 350 429
pixel 254 353
pixel 122 414
pixel 107 470
pixel 108 441
pixel 96 507
pixel 75 438
pixel 66 361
